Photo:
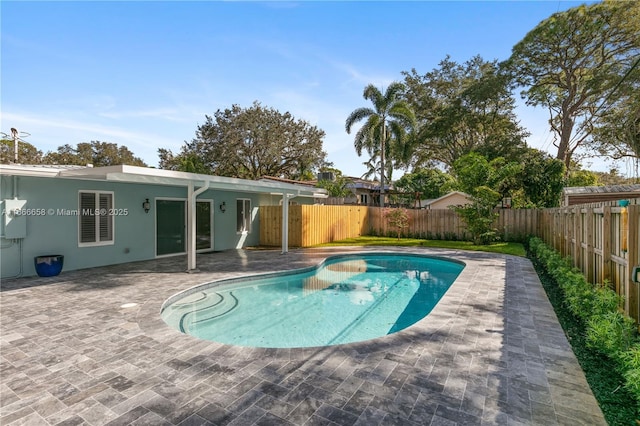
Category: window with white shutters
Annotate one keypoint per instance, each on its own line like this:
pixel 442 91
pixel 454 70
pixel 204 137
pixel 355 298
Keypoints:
pixel 95 218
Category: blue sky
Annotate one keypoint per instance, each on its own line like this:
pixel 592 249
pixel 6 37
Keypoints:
pixel 144 74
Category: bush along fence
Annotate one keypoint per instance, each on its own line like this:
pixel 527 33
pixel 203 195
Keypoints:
pixel 603 242
pixel 608 329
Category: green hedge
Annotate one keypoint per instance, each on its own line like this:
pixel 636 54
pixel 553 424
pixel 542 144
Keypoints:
pixel 608 329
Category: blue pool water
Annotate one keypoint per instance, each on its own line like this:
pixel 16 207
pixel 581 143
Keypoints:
pixel 347 299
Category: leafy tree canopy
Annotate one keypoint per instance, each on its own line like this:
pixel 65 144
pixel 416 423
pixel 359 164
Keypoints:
pixel 27 153
pixel 249 143
pixel 576 64
pixel 336 187
pixel 463 108
pixel 97 153
pixel 582 178
pixel 539 182
pixel 616 133
pixel 428 183
pixel 473 171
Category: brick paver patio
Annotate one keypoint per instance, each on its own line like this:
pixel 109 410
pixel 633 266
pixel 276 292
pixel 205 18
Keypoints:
pixel 491 352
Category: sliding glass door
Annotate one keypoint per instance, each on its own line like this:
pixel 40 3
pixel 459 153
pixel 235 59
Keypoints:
pixel 171 226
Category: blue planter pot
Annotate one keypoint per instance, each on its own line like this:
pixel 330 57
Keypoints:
pixel 48 266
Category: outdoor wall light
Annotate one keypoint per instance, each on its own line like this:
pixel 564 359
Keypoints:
pixel 223 207
pixel 146 205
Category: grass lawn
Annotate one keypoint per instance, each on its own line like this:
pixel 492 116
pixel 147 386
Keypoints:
pixel 515 249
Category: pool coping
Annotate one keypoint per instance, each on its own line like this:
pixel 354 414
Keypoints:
pixel 490 352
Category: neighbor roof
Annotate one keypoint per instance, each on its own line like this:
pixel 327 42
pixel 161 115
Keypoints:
pixel 575 190
pixel 590 194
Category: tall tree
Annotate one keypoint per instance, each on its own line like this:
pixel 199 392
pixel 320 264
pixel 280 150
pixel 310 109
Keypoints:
pixel 27 153
pixel 617 130
pixel 95 152
pixel 463 108
pixel 385 127
pixel 249 143
pixel 573 63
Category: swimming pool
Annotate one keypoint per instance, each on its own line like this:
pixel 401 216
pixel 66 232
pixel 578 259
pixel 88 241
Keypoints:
pixel 346 299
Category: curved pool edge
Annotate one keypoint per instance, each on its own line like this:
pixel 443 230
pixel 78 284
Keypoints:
pixel 150 322
pixel 445 256
pixel 222 281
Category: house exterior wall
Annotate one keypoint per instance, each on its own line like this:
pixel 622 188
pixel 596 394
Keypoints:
pixel 52 226
pixel 453 199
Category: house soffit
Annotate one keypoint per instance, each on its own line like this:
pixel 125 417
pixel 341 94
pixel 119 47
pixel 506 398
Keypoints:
pixel 143 175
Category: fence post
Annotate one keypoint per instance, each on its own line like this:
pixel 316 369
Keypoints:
pixel 633 259
pixel 589 240
pixel 578 236
pixel 606 243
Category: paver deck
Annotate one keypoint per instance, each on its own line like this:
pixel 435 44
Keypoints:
pixel 491 352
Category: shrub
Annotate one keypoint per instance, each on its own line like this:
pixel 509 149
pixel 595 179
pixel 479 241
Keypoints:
pixel 398 219
pixel 605 300
pixel 608 330
pixel 611 333
pixel 631 370
pixel 579 294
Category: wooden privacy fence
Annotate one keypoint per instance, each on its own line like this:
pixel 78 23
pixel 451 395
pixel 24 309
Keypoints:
pixel 312 224
pixel 316 224
pixel 603 241
pixel 445 224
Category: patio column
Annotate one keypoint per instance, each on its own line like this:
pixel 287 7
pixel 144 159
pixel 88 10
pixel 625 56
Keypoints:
pixel 191 224
pixel 285 222
pixel 191 229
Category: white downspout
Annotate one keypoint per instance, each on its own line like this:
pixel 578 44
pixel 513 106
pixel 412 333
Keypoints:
pixel 191 224
pixel 285 223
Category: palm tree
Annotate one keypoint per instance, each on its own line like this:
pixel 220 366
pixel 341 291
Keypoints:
pixel 386 123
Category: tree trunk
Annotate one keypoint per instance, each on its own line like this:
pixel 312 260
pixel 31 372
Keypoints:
pixel 564 152
pixel 382 149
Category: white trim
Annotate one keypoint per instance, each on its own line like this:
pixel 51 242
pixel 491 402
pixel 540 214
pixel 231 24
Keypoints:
pixel 136 174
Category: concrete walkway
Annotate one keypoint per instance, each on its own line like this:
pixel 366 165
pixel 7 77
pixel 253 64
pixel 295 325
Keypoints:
pixel 491 352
